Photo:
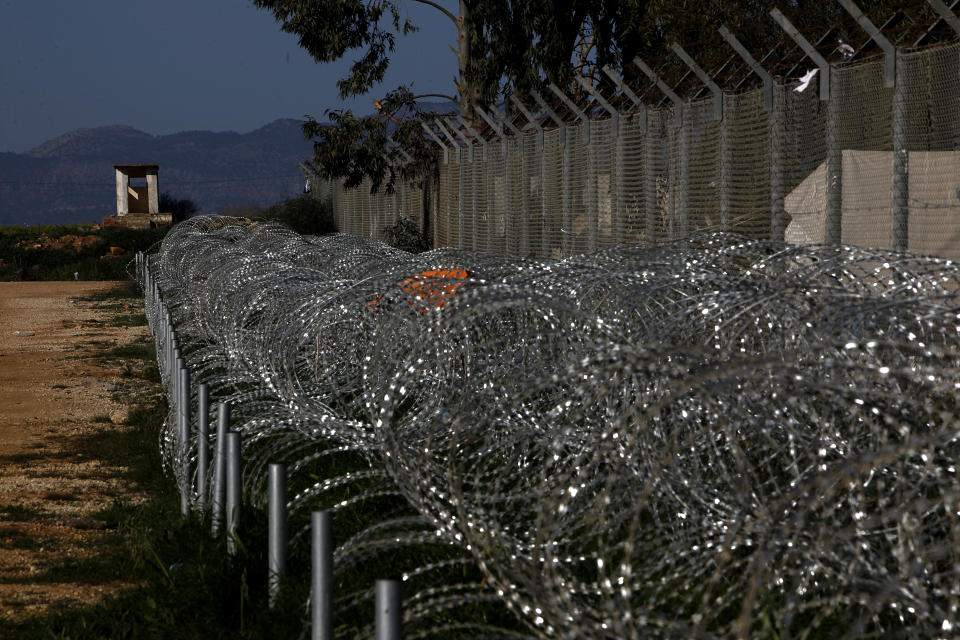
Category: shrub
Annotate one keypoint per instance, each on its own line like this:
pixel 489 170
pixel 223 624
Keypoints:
pixel 305 215
pixel 406 235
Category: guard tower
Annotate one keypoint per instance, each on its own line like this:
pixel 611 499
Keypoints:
pixel 132 198
pixel 138 197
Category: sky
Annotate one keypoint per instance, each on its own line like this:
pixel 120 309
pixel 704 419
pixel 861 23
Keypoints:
pixel 164 66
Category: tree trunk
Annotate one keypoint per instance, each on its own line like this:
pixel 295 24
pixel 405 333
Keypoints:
pixel 469 92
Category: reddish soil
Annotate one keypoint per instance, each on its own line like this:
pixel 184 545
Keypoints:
pixel 56 389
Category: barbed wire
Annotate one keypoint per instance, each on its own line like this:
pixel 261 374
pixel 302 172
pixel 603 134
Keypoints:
pixel 716 437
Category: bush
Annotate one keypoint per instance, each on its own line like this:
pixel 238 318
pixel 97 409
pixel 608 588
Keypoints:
pixel 305 215
pixel 406 235
pixel 180 209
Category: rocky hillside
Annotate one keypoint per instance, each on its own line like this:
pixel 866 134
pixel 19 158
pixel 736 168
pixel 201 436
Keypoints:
pixel 70 179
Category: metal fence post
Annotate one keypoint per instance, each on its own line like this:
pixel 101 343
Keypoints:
pixel 525 248
pixel 219 468
pixel 778 195
pixel 834 215
pixel 183 425
pixel 726 173
pixel 321 593
pixel 234 477
pixel 548 238
pixel 834 151
pixel 651 204
pixel 593 206
pixel 772 102
pixel 899 232
pixel 203 444
pixel 900 239
pixel 474 223
pixel 388 604
pixel 276 528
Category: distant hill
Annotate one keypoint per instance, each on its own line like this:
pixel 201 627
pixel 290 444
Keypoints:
pixel 70 179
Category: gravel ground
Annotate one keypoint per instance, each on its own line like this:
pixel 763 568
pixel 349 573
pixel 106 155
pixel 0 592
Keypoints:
pixel 52 395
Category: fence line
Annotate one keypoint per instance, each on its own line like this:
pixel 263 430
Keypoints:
pixel 784 161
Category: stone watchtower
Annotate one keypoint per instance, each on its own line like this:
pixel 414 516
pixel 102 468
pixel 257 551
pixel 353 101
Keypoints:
pixel 138 205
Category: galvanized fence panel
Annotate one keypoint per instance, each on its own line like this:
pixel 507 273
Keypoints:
pixel 873 166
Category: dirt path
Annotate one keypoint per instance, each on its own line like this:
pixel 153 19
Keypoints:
pixel 56 390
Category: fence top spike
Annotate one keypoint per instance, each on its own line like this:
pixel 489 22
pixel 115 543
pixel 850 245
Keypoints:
pixel 505 120
pixel 946 14
pixel 526 113
pixel 657 81
pixel 546 108
pixel 597 96
pixel 622 85
pixel 570 103
pixel 889 52
pixel 456 130
pixel 473 132
pixel 496 127
pixel 450 136
pixel 703 76
pixel 430 132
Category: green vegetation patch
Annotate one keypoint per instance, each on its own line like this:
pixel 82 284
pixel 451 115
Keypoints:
pixel 57 252
pixel 18 513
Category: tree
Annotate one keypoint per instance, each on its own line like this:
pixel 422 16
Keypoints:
pixel 507 47
pixel 501 47
pixel 181 209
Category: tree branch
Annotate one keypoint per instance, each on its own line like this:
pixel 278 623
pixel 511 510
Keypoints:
pixel 436 95
pixel 439 8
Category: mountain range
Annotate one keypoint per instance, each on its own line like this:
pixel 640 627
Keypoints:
pixel 70 179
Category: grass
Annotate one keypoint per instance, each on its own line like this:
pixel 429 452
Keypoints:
pixel 11 538
pixel 127 320
pixel 18 513
pixel 132 351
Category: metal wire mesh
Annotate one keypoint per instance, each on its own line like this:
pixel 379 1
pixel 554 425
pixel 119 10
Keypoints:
pixel 831 165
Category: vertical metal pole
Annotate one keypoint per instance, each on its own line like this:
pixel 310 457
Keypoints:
pixel 778 218
pixel 321 598
pixel 592 200
pixel 276 528
pixel 683 188
pixel 650 201
pixel 901 167
pixel 460 190
pixel 726 171
pixel 234 489
pixel 833 222
pixel 220 468
pixel 619 200
pixel 524 222
pixel 491 201
pixel 566 196
pixel 183 420
pixel 388 620
pixel 508 215
pixel 473 202
pixel 544 210
pixel 203 444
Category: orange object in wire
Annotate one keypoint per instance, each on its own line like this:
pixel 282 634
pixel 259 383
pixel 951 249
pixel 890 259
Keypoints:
pixel 430 289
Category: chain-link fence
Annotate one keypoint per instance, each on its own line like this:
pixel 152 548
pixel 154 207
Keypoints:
pixel 871 165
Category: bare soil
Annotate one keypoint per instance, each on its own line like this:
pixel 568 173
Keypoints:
pixel 57 388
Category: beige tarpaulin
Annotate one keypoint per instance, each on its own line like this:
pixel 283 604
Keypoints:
pixel 867 202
